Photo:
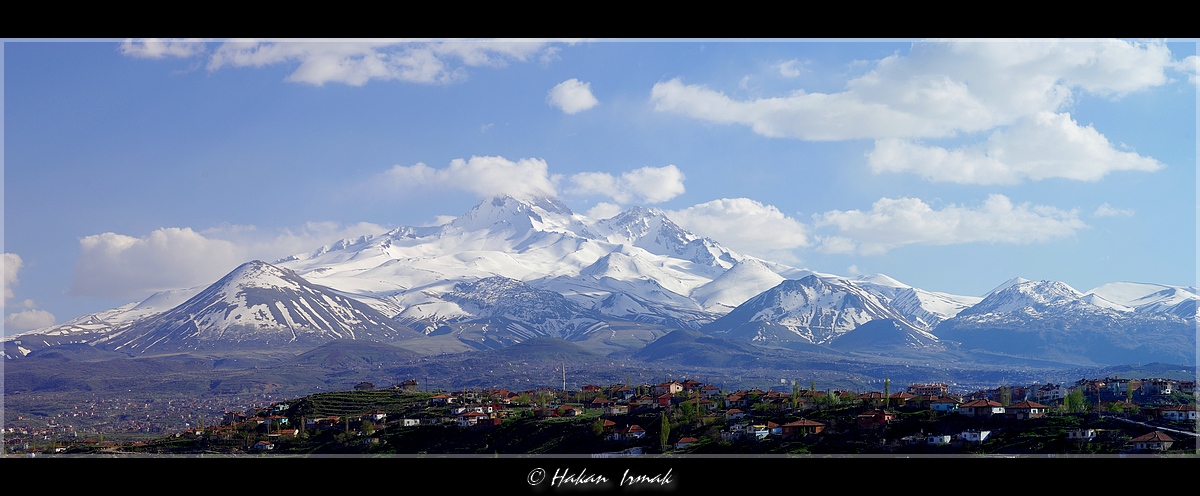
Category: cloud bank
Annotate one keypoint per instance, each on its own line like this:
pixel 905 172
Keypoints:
pixel 951 89
pixel 156 48
pixel 893 223
pixel 113 265
pixel 1046 145
pixel 526 178
pixel 483 176
pixel 352 62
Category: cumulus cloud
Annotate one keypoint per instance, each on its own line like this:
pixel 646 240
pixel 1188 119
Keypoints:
pixel 483 176
pixel 117 265
pixel 1190 65
pixel 155 48
pixel 29 318
pixel 357 62
pixel 1106 210
pixel 572 96
pixel 603 210
pixel 744 225
pixel 790 68
pixel 644 185
pixel 12 264
pixel 1042 146
pixel 892 223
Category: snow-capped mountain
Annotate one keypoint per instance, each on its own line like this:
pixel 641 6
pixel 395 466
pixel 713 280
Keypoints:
pixel 1027 299
pixel 637 264
pixel 813 309
pixel 1052 320
pixel 512 269
pixel 522 312
pixel 741 282
pixel 256 304
pixel 94 327
pixel 1145 298
pixel 923 309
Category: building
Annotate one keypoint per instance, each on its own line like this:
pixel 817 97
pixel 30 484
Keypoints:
pixel 935 389
pixel 1026 410
pixel 981 408
pixel 1179 412
pixel 1154 441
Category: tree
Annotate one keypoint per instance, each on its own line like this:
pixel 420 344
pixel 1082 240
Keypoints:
pixel 598 427
pixel 887 391
pixel 795 394
pixel 665 432
pixel 1005 395
pixel 1075 402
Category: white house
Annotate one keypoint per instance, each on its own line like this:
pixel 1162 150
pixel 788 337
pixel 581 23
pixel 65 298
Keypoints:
pixel 937 440
pixel 1179 412
pixel 1081 434
pixel 974 436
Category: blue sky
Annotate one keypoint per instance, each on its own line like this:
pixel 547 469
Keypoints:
pixel 133 166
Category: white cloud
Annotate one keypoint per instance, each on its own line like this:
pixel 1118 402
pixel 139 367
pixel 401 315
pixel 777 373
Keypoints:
pixel 790 68
pixel 1107 210
pixel 29 318
pixel 949 89
pixel 357 62
pixel 853 270
pixel 744 225
pixel 440 220
pixel 1190 65
pixel 155 48
pixel 572 96
pixel 12 264
pixel 117 265
pixel 893 223
pixel 644 185
pixel 939 89
pixel 1045 145
pixel 603 210
pixel 483 176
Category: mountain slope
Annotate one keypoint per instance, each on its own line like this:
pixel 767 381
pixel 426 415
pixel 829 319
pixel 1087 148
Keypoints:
pixel 1051 320
pixel 257 304
pixel 810 310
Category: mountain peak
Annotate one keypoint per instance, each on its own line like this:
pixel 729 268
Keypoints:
pixel 507 212
pixel 259 274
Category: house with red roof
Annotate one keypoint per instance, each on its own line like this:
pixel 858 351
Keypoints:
pixel 1154 441
pixel 1026 410
pixel 802 427
pixel 874 419
pixel 981 408
pixel 1178 412
pixel 684 442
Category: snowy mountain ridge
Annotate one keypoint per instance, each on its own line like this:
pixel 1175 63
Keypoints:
pixel 514 269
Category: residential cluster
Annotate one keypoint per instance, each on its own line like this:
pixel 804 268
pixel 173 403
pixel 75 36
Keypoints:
pixel 621 413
